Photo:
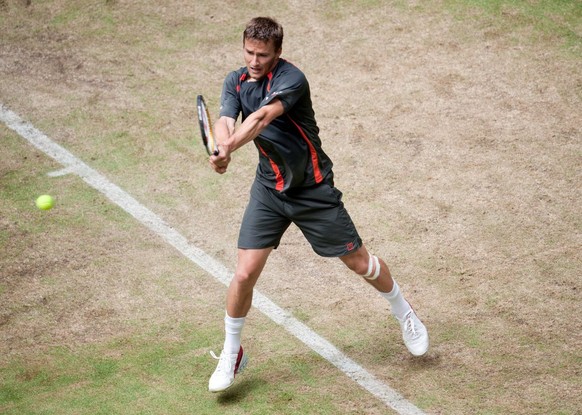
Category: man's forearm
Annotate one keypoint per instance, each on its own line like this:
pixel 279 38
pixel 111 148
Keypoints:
pixel 223 129
pixel 246 132
pixel 252 126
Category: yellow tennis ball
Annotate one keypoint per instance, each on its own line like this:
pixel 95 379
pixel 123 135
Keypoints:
pixel 45 202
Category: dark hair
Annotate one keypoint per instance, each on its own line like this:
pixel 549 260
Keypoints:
pixel 264 29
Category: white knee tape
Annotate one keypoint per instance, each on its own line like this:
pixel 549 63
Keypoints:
pixel 373 262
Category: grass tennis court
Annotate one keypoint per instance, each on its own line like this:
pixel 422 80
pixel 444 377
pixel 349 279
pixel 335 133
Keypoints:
pixel 456 132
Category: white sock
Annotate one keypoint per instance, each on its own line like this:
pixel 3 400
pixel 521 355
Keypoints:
pixel 233 329
pixel 397 302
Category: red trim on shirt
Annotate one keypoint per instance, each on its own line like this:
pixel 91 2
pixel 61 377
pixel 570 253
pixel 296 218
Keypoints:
pixel 314 158
pixel 270 76
pixel 240 80
pixel 278 177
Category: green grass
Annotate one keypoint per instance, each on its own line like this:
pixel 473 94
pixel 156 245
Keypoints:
pixel 466 335
pixel 150 374
pixel 75 205
pixel 546 19
pixel 129 375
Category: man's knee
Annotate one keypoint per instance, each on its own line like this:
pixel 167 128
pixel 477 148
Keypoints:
pixel 245 278
pixel 373 268
pixel 364 264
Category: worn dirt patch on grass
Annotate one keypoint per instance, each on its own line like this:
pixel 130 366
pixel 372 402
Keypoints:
pixel 457 143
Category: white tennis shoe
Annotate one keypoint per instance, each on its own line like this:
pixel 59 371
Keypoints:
pixel 414 334
pixel 229 365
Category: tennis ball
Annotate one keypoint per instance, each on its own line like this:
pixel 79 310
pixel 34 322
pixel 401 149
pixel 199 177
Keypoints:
pixel 45 202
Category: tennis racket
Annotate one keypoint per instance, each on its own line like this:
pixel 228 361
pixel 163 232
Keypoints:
pixel 206 127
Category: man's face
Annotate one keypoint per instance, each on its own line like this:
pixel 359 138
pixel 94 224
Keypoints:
pixel 260 57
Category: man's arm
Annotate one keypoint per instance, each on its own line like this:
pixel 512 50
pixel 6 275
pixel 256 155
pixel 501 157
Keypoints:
pixel 230 140
pixel 223 129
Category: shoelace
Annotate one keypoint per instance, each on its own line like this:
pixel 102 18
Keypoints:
pixel 223 360
pixel 409 325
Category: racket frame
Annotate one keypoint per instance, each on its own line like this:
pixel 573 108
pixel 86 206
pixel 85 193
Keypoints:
pixel 206 127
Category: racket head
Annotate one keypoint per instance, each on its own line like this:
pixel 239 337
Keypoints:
pixel 206 126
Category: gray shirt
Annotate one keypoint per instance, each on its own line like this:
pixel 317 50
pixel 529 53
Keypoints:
pixel 290 153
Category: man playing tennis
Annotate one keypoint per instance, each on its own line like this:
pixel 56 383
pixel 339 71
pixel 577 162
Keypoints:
pixel 293 184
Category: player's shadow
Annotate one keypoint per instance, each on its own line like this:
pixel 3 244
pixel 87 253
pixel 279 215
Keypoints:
pixel 430 360
pixel 240 390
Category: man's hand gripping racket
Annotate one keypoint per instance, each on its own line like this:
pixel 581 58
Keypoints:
pixel 206 127
pixel 219 160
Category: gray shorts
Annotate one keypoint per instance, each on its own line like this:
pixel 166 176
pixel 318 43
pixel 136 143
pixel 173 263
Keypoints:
pixel 318 211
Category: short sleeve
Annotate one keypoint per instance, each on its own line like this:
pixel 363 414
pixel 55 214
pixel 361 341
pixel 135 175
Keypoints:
pixel 229 100
pixel 288 86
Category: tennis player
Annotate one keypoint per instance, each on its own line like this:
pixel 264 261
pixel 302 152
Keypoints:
pixel 294 184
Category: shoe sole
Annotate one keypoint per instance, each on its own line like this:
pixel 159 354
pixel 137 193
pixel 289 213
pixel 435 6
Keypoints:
pixel 418 354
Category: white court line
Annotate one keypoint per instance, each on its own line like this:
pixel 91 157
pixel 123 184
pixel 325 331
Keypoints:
pixel 318 344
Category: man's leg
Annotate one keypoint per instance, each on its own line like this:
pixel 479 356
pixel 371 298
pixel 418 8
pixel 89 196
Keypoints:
pixel 376 273
pixel 249 266
pixel 239 298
